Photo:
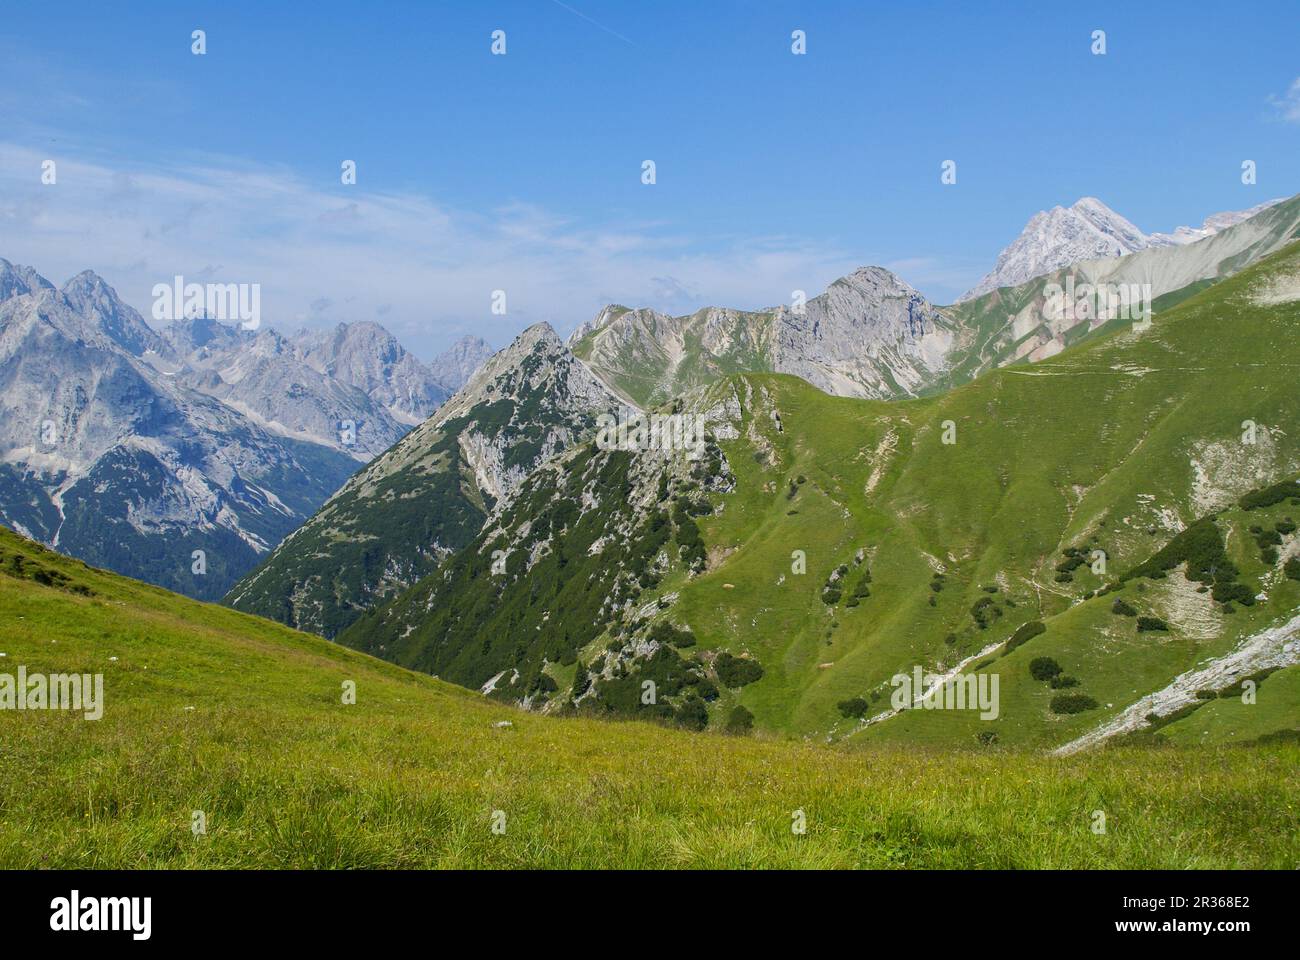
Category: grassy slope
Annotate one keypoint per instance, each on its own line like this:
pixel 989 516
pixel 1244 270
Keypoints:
pixel 1229 720
pixel 1090 444
pixel 209 709
pixel 1111 445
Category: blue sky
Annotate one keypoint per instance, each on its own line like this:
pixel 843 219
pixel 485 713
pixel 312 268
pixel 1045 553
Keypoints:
pixel 522 172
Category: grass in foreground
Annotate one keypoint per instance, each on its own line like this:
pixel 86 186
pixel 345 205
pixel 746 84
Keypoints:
pixel 214 711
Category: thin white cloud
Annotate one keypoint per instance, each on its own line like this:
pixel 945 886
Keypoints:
pixel 1288 105
pixel 325 254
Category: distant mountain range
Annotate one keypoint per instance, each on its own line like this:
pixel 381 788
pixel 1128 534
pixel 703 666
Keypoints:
pixel 206 436
pixel 871 335
pixel 1087 230
pixel 181 456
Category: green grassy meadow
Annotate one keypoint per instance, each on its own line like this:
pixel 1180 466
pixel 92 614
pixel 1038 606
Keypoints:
pixel 238 717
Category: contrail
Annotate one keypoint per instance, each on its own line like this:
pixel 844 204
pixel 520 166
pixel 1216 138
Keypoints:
pixel 579 13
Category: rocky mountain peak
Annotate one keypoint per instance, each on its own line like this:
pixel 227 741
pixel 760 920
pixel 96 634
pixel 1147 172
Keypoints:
pixel 17 280
pixel 537 361
pixel 365 355
pixel 454 366
pixel 1087 230
pixel 1210 225
pixel 194 333
pixel 607 314
pixel 98 303
pixel 875 281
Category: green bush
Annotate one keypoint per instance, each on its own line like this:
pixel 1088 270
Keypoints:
pixel 1122 609
pixel 1063 681
pixel 1292 568
pixel 1026 632
pixel 736 671
pixel 1067 703
pixel 1200 546
pixel 581 680
pixel 1071 564
pixel 856 707
pixel 1151 623
pixel 1225 592
pixel 665 632
pixel 1043 668
pixel 985 611
pixel 739 721
pixel 693 714
pixel 1270 495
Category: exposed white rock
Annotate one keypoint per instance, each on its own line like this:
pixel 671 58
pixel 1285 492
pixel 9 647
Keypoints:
pixel 1275 647
pixel 1087 230
pixel 868 335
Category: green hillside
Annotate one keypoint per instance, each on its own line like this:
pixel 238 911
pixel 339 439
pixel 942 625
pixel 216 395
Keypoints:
pixel 919 552
pixel 1008 324
pixel 241 719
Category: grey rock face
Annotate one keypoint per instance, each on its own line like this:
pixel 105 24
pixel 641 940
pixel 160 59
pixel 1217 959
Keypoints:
pixel 16 280
pixel 1088 230
pixel 868 335
pixel 366 356
pixel 99 305
pixel 105 458
pixel 1014 323
pixel 552 399
pixel 270 380
pixel 1211 225
pixel 453 367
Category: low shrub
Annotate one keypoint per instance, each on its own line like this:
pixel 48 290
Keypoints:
pixel 855 707
pixel 1024 633
pixel 736 671
pixel 1067 703
pixel 1043 668
pixel 739 721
